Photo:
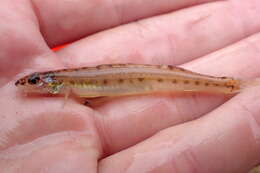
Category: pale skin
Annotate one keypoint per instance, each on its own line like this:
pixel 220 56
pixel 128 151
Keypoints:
pixel 189 133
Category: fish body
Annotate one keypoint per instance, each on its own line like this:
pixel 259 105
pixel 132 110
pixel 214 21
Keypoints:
pixel 110 80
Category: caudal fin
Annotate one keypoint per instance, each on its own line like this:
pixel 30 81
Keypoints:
pixel 250 83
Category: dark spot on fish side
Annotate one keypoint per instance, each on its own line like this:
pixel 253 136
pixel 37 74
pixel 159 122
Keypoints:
pixel 160 80
pixel 120 80
pixel 170 67
pixel 206 84
pixel 98 67
pixel 174 81
pixel 72 82
pixel 105 82
pixel 141 79
pixel 186 82
pixel 197 82
pixel 83 68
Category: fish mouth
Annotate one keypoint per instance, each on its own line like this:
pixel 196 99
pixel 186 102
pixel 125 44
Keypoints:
pixel 17 82
pixel 32 90
pixel 20 82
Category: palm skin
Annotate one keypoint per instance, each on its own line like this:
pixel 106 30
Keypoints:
pixel 187 133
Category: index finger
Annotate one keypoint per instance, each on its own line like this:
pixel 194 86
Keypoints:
pixel 65 21
pixel 20 38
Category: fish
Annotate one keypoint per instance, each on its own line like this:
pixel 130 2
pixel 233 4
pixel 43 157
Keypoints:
pixel 113 80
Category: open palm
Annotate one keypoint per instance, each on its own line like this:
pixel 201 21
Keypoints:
pixel 188 133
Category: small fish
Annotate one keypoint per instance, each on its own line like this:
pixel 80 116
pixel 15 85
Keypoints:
pixel 110 80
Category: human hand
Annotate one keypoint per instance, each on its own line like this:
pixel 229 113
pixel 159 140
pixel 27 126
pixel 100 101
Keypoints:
pixel 190 133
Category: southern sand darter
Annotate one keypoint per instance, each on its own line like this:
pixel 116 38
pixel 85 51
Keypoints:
pixel 113 80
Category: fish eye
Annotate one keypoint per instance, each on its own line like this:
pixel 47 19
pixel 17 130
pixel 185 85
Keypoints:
pixel 34 79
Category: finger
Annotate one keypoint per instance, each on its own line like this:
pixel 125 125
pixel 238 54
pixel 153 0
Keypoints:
pixel 173 38
pixel 140 117
pixel 226 140
pixel 65 21
pixel 20 38
pixel 61 152
pixel 46 114
pixel 39 135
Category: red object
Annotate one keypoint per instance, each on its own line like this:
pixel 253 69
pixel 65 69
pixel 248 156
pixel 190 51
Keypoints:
pixel 59 47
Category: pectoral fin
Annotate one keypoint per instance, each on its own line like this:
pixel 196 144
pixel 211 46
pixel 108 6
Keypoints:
pixel 97 101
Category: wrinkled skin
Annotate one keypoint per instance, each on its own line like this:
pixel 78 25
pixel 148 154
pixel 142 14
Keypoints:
pixel 185 133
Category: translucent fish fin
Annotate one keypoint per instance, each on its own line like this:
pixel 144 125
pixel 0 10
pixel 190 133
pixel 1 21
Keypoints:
pixel 66 97
pixel 250 83
pixel 94 102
